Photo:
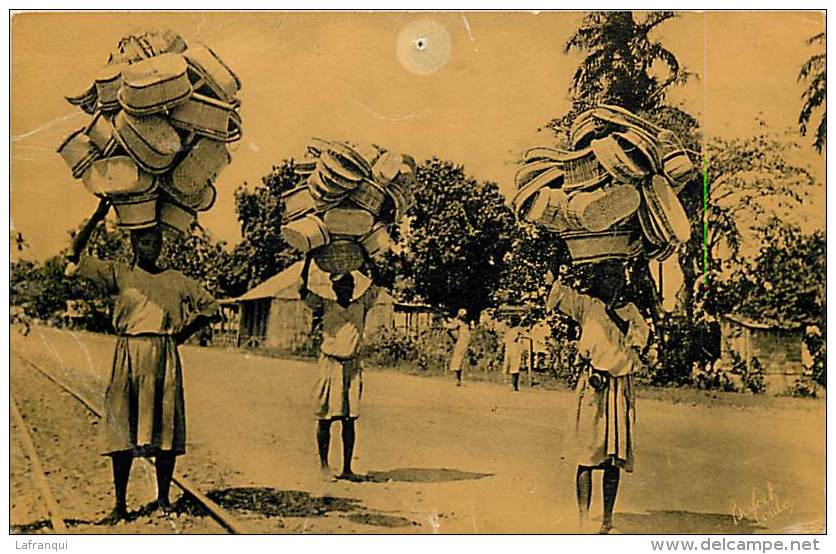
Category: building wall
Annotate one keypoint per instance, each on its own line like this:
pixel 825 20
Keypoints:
pixel 288 325
pixel 777 350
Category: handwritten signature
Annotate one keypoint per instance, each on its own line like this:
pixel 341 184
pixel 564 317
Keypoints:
pixel 763 506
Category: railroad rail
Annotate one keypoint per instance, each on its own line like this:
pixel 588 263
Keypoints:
pixel 220 515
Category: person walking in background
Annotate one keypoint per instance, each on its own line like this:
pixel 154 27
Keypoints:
pixel 512 359
pixel 461 328
pixel 612 334
pixel 339 387
pixel 155 310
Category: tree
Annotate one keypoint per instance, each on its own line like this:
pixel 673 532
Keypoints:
pixel 458 234
pixel 263 252
pixel 620 65
pixel 814 74
pixel 749 183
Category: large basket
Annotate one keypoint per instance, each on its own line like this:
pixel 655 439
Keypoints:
pixel 368 196
pixel 208 117
pixel 136 211
pixel 600 209
pixel 87 100
pixel 678 167
pixel 108 82
pixel 348 222
pixel 79 152
pixel 150 141
pixel 582 170
pixel 100 131
pixel 339 256
pixel 305 234
pixel 587 247
pixel 210 71
pixel 117 176
pixel 549 210
pixel 666 211
pixel 377 242
pixel 155 85
pixel 297 202
pixel 175 215
pixel 201 165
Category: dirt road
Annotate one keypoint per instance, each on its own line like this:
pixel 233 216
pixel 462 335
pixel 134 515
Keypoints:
pixel 462 460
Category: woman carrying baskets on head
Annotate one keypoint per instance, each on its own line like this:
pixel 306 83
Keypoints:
pixel 612 334
pixel 155 310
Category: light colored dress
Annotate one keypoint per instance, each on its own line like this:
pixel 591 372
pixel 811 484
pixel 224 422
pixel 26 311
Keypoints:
pixel 513 350
pixel 605 420
pixel 461 346
pixel 144 405
pixel 340 385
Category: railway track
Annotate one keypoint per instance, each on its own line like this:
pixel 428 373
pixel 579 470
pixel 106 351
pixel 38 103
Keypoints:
pixel 226 520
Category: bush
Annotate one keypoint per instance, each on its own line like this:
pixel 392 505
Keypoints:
pixel 390 347
pixel 674 362
pixel 485 352
pixel 710 379
pixel 803 387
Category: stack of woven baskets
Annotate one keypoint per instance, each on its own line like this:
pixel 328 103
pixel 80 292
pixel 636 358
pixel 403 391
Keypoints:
pixel 614 195
pixel 348 199
pixel 162 115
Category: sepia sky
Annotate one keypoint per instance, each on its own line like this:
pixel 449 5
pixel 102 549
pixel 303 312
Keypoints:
pixel 476 95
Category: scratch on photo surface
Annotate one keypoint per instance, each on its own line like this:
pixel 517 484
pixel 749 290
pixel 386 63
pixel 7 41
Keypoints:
pixel 469 33
pixel 51 123
pixel 391 118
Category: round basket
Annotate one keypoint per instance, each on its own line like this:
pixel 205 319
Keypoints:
pixel 339 256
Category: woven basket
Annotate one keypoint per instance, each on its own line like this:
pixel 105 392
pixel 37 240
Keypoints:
pixel 117 176
pixel 602 208
pixel 150 141
pixel 548 210
pixel 137 211
pixel 368 196
pixel 582 170
pixel 678 167
pixel 201 165
pixel 348 222
pixel 175 216
pixel 339 256
pixel 666 210
pixel 297 202
pixel 377 242
pixel 587 247
pixel 212 72
pixel 155 85
pixel 535 169
pixel 79 152
pixel 100 131
pixel 386 167
pixel 87 100
pixel 305 234
pixel 208 117
pixel 108 82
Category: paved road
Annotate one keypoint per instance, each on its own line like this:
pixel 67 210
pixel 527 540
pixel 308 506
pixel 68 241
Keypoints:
pixel 480 458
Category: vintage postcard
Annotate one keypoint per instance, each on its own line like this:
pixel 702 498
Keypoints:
pixel 414 272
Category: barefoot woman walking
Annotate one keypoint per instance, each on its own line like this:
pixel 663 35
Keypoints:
pixel 611 336
pixel 154 311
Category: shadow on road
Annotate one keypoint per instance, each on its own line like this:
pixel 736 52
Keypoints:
pixel 675 522
pixel 272 502
pixel 423 475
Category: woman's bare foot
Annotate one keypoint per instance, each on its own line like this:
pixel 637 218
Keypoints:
pixel 349 476
pixel 116 516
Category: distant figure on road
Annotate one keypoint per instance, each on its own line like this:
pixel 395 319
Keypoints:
pixel 611 336
pixel 17 316
pixel 155 310
pixel 512 359
pixel 460 325
pixel 340 384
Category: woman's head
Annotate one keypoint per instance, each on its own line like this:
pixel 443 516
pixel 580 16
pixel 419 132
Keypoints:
pixel 146 244
pixel 343 286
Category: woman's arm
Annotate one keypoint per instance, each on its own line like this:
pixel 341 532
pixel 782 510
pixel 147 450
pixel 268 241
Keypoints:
pixel 83 235
pixel 306 270
pixel 193 327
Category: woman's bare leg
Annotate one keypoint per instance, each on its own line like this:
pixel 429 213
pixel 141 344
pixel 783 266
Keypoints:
pixel 583 482
pixel 612 475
